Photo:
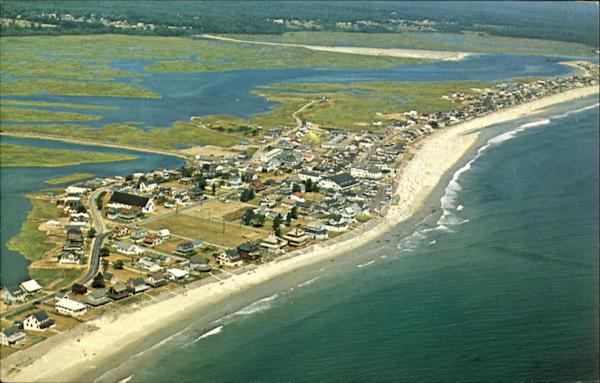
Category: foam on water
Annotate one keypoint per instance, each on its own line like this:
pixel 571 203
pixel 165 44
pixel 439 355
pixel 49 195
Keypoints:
pixel 366 263
pixel 309 282
pixel 255 307
pixel 449 201
pixel 214 331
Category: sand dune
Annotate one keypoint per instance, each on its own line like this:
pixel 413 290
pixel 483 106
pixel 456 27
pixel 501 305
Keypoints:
pixel 366 51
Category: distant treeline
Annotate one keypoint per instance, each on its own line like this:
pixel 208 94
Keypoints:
pixel 562 21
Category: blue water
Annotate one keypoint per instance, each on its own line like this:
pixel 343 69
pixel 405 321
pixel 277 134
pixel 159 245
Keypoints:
pixel 18 181
pixel 504 288
pixel 193 94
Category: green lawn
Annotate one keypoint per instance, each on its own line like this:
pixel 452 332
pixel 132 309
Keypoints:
pixel 68 178
pixel 38 115
pixel 47 276
pixel 19 155
pixel 29 241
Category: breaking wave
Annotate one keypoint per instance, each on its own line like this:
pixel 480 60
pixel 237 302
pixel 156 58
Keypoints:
pixel 449 201
pixel 255 307
pixel 366 263
pixel 309 282
pixel 214 331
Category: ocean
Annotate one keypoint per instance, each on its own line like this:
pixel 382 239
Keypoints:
pixel 498 280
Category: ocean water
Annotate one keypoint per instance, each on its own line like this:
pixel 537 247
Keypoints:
pixel 500 282
pixel 16 182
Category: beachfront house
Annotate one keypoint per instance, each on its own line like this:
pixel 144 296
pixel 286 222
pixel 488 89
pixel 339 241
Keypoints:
pixel 199 263
pixel 13 294
pixel 249 251
pixel 316 230
pixel 118 291
pixel 176 274
pixel 70 307
pixel 296 237
pixel 229 258
pixel 38 321
pixel 10 336
pixel 273 244
pixel 96 298
pixel 137 285
pixel 157 279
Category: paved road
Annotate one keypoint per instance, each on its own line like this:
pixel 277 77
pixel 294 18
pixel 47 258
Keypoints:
pixel 101 235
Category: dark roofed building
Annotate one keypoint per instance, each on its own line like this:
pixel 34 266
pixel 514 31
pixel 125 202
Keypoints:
pixel 341 181
pixel 119 199
pixel 39 321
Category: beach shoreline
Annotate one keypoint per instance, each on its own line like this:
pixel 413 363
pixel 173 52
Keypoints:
pixel 90 343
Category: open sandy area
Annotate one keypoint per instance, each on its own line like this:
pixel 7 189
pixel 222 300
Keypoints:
pixel 366 51
pixel 66 356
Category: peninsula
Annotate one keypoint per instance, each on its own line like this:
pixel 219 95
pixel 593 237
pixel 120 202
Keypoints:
pixel 178 241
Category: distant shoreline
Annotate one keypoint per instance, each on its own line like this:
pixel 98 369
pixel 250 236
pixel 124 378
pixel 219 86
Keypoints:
pixel 433 157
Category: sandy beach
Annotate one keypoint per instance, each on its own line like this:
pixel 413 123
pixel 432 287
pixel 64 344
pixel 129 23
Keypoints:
pixel 64 357
pixel 366 51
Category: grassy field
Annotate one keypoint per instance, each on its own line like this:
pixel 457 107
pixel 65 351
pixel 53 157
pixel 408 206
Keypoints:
pixel 19 155
pixel 74 88
pixel 352 106
pixel 181 134
pixel 209 231
pixel 68 178
pixel 5 102
pixel 29 241
pixel 57 278
pixel 38 115
pixel 468 42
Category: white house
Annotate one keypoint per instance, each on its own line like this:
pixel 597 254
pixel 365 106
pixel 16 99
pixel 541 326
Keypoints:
pixel 38 321
pixel 229 258
pixel 341 181
pixel 163 234
pixel 266 157
pixel 120 200
pixel 175 274
pixel 128 248
pixel 370 172
pixel 31 286
pixel 70 307
pixel 13 294
pixel 12 335
pixel 147 264
pixel 76 190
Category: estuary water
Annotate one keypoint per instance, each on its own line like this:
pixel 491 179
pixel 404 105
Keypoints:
pixel 499 281
pixel 195 94
pixel 18 181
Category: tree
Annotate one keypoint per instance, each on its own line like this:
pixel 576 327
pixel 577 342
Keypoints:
pixel 105 265
pixel 248 216
pixel 294 213
pixel 288 219
pixel 309 185
pixel 296 188
pixel 214 188
pixel 129 177
pixel 104 251
pixel 118 265
pixel 259 220
pixel 247 195
pixel 91 233
pixel 277 225
pixel 98 281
